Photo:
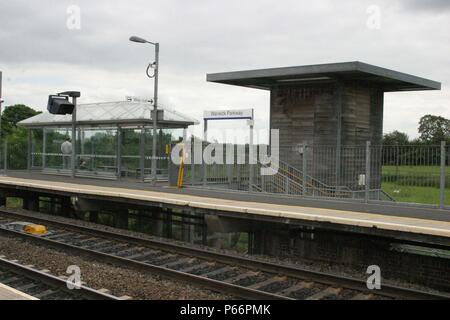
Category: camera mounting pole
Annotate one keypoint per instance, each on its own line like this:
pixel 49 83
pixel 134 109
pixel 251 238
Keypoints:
pixel 74 95
pixel 74 135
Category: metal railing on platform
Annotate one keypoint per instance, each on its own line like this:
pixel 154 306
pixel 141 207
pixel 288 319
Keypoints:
pixel 17 157
pixel 415 174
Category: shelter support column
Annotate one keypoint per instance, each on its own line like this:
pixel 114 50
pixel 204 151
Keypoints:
pixel 192 157
pixel 205 139
pixel 442 176
pixel 142 153
pixel 119 152
pixel 44 147
pixel 82 136
pixel 29 149
pixel 338 94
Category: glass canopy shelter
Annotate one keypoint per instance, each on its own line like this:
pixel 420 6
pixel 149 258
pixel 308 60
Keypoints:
pixel 114 140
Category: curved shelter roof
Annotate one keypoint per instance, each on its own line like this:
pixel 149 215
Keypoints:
pixel 124 113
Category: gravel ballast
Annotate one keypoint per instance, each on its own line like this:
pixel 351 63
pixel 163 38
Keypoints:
pixel 317 266
pixel 120 281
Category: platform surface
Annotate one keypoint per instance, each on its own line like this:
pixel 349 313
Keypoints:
pixel 8 293
pixel 391 222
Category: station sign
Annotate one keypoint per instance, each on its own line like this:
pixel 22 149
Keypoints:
pixel 228 114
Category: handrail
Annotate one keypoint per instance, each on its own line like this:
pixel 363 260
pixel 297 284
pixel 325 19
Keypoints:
pixel 312 178
pixel 325 191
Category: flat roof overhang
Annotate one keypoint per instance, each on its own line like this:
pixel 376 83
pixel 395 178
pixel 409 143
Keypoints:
pixel 387 80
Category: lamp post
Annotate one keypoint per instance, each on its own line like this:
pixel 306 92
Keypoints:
pixel 155 65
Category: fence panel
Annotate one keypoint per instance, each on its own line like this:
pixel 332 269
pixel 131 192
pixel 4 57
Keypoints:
pixel 411 173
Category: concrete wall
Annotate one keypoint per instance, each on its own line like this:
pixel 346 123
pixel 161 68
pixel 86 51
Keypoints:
pixel 354 251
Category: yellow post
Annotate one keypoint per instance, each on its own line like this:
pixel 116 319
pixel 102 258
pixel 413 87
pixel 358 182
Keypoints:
pixel 181 169
pixel 180 174
pixel 167 149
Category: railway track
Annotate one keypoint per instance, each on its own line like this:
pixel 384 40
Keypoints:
pixel 232 274
pixel 44 286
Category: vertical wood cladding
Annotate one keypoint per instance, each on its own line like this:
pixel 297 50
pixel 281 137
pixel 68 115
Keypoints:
pixel 362 115
pixel 302 114
pixel 309 114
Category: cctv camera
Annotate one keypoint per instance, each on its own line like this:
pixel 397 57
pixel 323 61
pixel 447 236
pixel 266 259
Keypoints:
pixel 59 105
pixel 1 100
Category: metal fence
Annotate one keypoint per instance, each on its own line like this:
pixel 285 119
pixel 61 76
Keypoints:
pixel 15 156
pixel 413 173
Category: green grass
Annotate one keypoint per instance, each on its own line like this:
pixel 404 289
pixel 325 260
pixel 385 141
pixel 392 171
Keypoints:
pixel 414 170
pixel 416 194
pixel 418 184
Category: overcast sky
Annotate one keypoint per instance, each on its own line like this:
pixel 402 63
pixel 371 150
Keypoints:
pixel 40 54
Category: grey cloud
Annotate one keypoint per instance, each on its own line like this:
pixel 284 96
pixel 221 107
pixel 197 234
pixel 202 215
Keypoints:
pixel 202 36
pixel 427 5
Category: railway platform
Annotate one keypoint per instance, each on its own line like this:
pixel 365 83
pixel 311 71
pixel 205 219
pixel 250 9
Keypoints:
pixel 379 218
pixel 8 293
pixel 396 237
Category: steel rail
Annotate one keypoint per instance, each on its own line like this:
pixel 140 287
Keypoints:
pixel 212 284
pixel 230 259
pixel 53 281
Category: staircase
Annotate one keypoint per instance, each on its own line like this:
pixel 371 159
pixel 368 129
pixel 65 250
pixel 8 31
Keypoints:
pixel 286 180
pixel 292 181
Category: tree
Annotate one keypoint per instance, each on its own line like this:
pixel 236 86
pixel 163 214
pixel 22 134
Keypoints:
pixel 14 114
pixel 17 149
pixel 395 138
pixel 16 136
pixel 434 129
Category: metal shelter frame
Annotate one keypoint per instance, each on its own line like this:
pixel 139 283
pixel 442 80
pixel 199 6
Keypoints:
pixel 116 116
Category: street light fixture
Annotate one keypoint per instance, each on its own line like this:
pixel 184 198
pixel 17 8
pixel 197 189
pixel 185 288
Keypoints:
pixel 138 39
pixel 155 66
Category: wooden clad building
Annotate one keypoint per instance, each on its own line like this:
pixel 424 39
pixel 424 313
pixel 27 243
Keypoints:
pixel 333 109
